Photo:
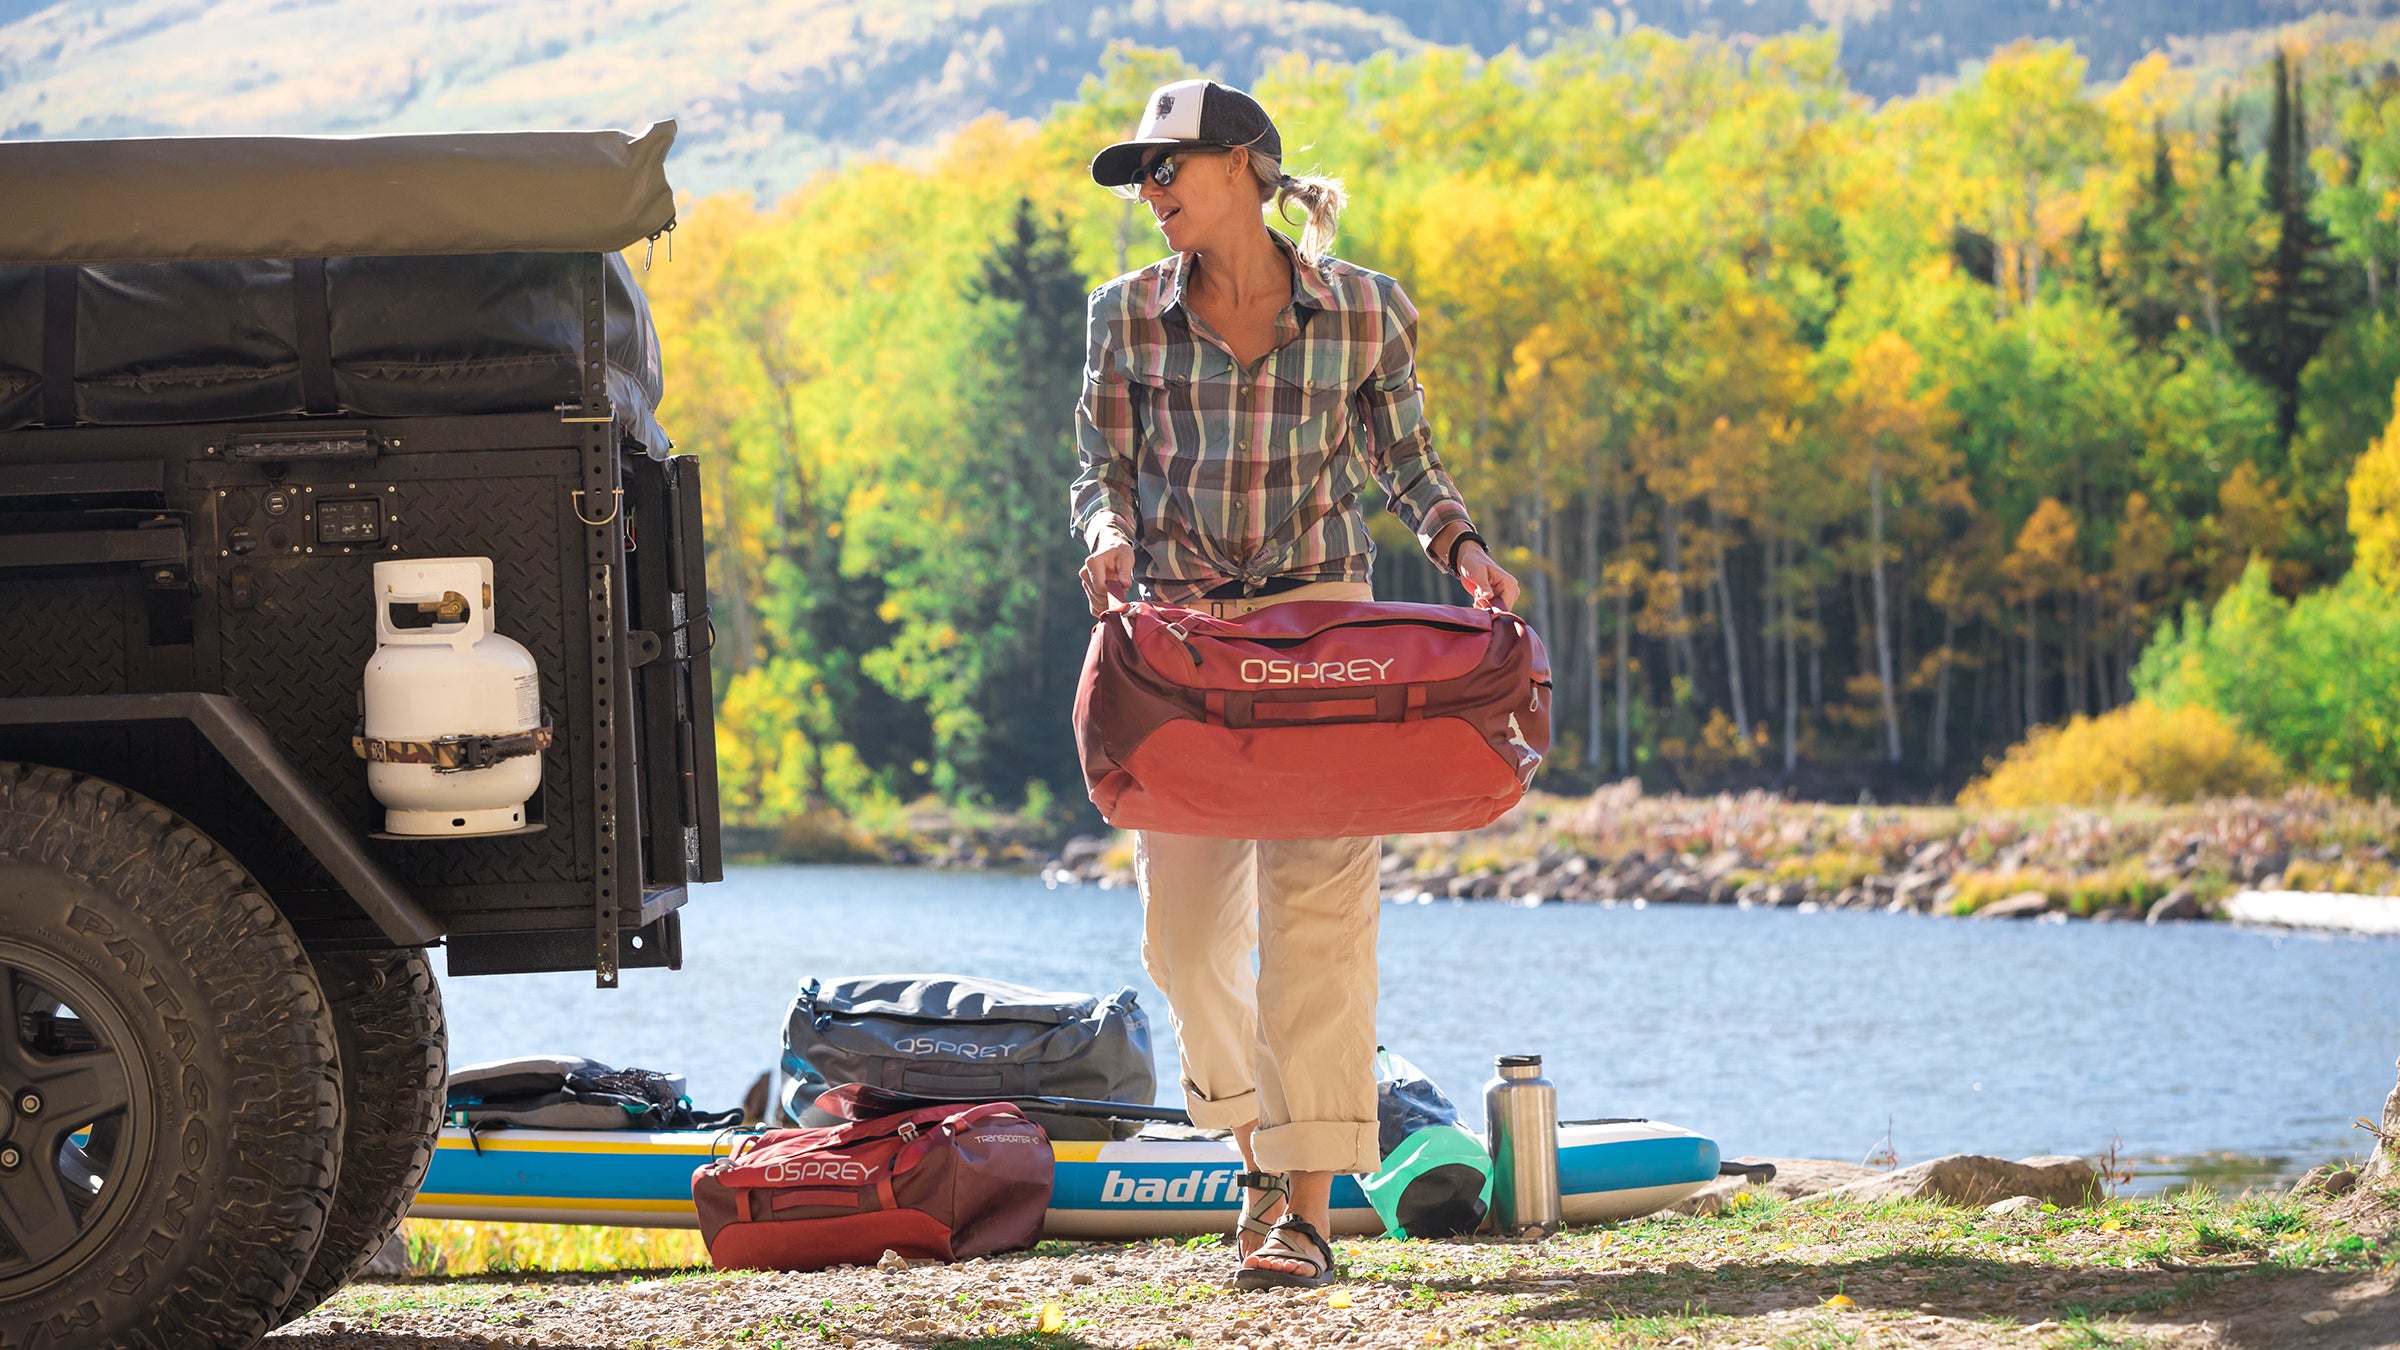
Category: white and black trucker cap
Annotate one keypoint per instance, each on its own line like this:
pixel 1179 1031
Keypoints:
pixel 1189 112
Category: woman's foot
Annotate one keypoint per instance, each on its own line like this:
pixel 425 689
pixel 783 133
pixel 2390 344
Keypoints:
pixel 1295 1255
pixel 1311 1201
pixel 1264 1199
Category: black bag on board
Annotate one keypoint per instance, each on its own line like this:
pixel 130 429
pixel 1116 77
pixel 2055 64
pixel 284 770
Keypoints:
pixel 569 1092
pixel 959 1038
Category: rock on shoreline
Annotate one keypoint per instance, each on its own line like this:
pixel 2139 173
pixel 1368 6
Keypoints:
pixel 1968 1179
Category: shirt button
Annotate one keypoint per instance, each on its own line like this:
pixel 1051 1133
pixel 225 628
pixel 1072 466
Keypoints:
pixel 1241 445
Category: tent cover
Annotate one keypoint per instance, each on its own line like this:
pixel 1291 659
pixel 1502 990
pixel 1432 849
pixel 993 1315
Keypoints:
pixel 211 279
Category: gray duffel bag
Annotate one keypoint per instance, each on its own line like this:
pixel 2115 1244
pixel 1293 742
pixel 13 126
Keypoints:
pixel 964 1039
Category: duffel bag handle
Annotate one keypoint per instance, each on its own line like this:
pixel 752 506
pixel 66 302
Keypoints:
pixel 766 1202
pixel 1242 709
pixel 959 1083
pixel 769 1202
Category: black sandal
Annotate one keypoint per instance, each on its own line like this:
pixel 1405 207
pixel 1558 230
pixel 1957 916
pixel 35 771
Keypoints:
pixel 1280 1247
pixel 1266 1190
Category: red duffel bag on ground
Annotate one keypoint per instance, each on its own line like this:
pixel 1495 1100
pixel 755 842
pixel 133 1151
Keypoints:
pixel 944 1182
pixel 1313 719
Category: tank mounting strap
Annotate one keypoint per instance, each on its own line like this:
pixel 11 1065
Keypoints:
pixel 454 754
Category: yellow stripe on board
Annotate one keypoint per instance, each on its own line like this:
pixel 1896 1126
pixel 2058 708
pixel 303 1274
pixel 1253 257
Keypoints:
pixel 524 1202
pixel 492 1144
pixel 1075 1151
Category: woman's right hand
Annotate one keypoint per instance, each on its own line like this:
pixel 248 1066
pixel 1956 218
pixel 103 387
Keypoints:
pixel 1108 572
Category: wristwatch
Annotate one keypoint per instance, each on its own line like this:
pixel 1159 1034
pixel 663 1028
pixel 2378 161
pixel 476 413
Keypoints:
pixel 1461 542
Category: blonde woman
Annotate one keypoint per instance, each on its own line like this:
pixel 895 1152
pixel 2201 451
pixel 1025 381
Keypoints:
pixel 1237 397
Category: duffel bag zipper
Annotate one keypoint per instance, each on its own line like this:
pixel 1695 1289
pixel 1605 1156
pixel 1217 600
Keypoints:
pixel 1176 631
pixel 1363 623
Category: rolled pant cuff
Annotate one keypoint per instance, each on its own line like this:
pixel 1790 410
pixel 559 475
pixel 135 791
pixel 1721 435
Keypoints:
pixel 1318 1146
pixel 1221 1115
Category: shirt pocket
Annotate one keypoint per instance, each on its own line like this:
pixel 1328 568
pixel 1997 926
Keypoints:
pixel 1178 377
pixel 1320 424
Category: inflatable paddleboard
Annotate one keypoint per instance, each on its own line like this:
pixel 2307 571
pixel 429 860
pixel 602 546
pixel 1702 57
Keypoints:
pixel 1132 1188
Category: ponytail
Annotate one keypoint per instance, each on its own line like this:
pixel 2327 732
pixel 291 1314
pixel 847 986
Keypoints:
pixel 1320 199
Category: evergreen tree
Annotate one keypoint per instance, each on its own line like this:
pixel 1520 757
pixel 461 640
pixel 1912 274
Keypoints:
pixel 2144 286
pixel 2298 296
pixel 1033 294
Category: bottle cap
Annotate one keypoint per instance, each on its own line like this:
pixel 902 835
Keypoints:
pixel 1520 1061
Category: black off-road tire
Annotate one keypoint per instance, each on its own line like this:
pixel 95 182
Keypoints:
pixel 155 991
pixel 387 1020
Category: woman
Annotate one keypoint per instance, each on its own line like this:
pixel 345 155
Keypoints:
pixel 1237 394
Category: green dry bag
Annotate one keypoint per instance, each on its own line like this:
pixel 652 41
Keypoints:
pixel 1436 1178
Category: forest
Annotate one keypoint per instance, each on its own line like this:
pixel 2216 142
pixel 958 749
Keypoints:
pixel 1839 443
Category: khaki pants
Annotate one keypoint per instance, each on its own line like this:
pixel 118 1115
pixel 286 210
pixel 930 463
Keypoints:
pixel 1292 1047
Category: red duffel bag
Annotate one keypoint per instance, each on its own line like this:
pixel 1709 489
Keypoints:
pixel 944 1182
pixel 1311 720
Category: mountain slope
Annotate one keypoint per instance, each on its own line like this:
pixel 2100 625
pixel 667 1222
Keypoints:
pixel 769 89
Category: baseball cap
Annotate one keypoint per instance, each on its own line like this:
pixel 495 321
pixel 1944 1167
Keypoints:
pixel 1189 112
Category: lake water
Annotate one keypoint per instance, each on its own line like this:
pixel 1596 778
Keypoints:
pixel 2201 1049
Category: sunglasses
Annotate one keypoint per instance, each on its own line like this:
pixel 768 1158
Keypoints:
pixel 1162 170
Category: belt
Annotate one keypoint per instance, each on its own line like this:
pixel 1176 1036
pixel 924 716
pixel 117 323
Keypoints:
pixel 1232 590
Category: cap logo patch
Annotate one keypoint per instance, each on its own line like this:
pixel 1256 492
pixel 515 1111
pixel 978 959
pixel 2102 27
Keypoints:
pixel 1166 104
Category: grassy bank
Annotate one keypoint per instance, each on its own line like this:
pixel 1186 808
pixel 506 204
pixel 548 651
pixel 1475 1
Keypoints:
pixel 2191 1269
pixel 1757 848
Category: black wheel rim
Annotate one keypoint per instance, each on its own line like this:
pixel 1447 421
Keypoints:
pixel 76 1130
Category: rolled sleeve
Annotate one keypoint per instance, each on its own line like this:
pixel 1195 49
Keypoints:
pixel 1107 430
pixel 1396 438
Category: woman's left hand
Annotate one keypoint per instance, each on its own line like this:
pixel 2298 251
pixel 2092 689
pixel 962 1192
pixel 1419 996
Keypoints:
pixel 1487 581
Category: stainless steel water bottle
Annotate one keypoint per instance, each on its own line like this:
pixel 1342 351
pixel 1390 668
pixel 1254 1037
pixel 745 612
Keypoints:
pixel 1520 1109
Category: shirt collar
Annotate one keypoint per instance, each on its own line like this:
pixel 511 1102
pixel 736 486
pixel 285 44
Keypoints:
pixel 1309 286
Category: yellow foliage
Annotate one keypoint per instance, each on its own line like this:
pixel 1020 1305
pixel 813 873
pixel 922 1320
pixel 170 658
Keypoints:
pixel 2138 751
pixel 1831 869
pixel 2347 876
pixel 2375 504
pixel 460 1247
pixel 2128 885
pixel 2253 520
pixel 2044 559
pixel 1977 889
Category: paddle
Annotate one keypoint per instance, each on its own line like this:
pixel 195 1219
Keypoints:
pixel 877 1101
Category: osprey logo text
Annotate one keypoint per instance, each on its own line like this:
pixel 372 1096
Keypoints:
pixel 927 1045
pixel 815 1169
pixel 1357 671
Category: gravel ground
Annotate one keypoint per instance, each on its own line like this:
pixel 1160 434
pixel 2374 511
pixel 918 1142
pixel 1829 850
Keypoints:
pixel 2187 1273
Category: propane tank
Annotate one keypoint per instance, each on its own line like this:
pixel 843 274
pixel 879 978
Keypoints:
pixel 452 730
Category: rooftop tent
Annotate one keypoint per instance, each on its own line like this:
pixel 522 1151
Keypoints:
pixel 212 198
pixel 182 279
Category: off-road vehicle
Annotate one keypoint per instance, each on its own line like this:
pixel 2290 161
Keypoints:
pixel 235 375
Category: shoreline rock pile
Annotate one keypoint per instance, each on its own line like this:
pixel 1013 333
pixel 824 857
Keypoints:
pixel 1755 850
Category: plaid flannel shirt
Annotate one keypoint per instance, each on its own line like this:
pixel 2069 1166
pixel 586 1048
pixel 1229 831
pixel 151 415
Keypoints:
pixel 1219 473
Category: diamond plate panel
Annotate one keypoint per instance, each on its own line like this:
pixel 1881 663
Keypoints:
pixel 66 635
pixel 297 659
